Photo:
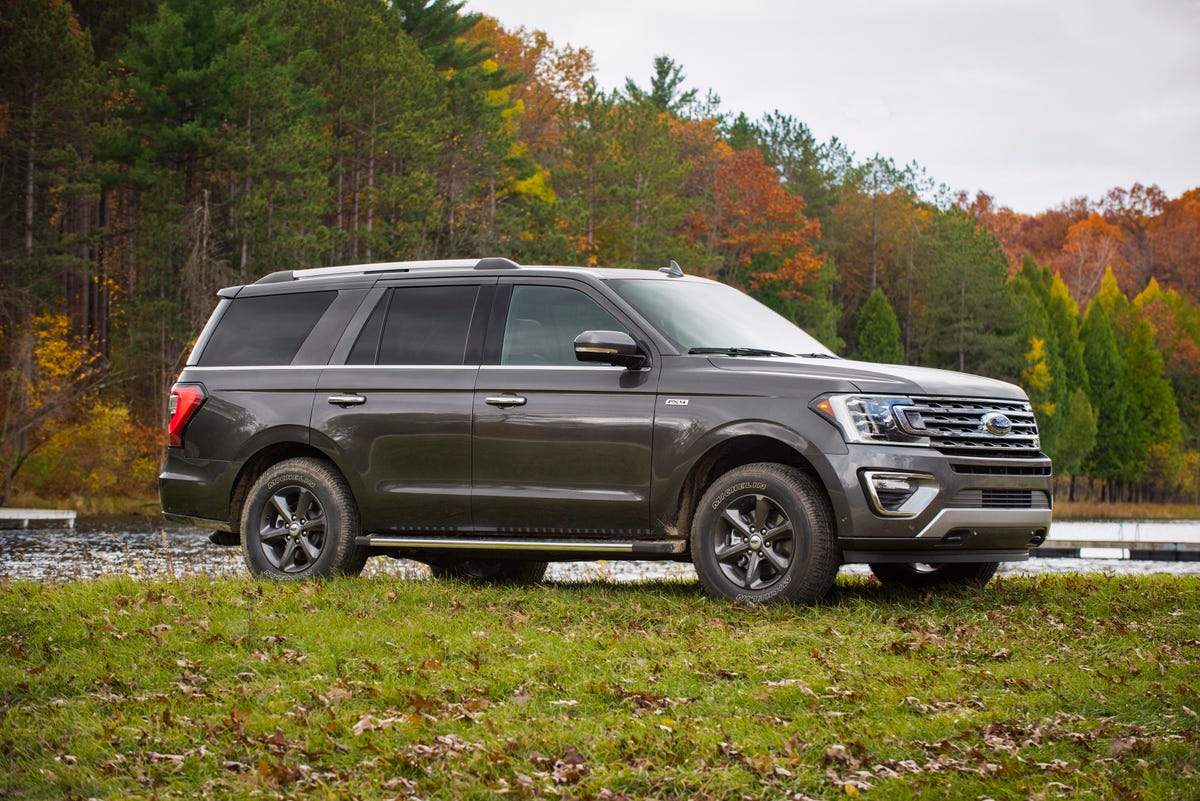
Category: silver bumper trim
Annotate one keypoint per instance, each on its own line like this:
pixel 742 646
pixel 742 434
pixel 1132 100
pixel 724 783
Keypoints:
pixel 983 520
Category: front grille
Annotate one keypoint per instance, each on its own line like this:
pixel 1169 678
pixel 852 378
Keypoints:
pixel 1001 469
pixel 955 426
pixel 1000 499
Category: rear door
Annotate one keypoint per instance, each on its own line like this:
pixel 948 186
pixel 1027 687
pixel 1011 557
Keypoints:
pixel 560 446
pixel 396 415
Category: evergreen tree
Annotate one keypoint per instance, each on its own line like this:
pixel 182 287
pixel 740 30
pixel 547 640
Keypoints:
pixel 969 322
pixel 1076 438
pixel 1154 416
pixel 817 312
pixel 877 333
pixel 1112 459
pixel 808 168
pixel 666 92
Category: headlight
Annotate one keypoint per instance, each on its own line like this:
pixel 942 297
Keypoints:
pixel 875 419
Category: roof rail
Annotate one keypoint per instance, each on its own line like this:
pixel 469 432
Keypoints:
pixel 491 263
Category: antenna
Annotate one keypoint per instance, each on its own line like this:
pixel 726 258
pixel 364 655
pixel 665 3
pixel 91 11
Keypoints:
pixel 673 270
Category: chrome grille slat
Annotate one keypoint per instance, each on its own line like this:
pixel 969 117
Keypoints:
pixel 1000 499
pixel 955 426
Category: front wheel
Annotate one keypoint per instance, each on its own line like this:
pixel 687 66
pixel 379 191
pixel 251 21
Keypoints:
pixel 300 522
pixel 918 575
pixel 490 571
pixel 763 534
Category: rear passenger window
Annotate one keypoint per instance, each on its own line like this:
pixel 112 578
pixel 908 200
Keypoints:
pixel 264 331
pixel 420 325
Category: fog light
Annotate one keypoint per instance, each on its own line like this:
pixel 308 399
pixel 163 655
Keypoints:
pixel 900 494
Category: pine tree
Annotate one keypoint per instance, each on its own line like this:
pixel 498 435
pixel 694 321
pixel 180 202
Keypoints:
pixel 1112 459
pixel 1076 438
pixel 877 333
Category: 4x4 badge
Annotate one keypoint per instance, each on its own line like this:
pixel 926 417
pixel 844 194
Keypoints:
pixel 677 402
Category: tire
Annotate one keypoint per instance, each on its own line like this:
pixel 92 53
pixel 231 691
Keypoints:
pixel 763 533
pixel 318 541
pixel 918 575
pixel 490 571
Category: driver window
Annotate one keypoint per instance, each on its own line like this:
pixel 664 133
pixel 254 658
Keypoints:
pixel 543 322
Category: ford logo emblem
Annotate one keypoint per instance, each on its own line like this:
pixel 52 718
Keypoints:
pixel 997 424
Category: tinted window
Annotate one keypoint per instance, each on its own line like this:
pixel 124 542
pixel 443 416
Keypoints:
pixel 543 322
pixel 427 324
pixel 705 314
pixel 264 331
pixel 366 347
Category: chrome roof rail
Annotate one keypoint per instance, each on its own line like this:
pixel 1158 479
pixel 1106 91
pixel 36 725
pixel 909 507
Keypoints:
pixel 492 263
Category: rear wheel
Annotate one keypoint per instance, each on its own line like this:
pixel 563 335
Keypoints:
pixel 300 522
pixel 918 575
pixel 490 571
pixel 763 534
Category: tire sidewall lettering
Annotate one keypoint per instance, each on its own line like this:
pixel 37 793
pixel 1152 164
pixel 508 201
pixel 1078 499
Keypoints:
pixel 741 486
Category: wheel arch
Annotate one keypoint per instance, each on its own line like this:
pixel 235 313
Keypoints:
pixel 735 451
pixel 261 461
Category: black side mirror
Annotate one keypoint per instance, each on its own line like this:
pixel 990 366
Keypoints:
pixel 609 347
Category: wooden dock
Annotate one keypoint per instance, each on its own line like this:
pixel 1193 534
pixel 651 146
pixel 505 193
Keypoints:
pixel 24 516
pixel 1149 540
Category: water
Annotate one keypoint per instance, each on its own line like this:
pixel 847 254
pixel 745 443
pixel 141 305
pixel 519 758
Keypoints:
pixel 140 548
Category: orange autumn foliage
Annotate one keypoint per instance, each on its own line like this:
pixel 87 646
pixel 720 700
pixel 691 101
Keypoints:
pixel 753 215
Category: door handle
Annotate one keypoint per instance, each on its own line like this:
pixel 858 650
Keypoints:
pixel 347 399
pixel 505 400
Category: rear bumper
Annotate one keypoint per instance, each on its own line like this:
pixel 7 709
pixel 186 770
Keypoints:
pixel 196 491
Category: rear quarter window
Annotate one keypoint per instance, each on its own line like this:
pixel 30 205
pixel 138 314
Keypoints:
pixel 266 330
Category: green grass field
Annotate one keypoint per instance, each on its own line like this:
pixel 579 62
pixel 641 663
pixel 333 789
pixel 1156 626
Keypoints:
pixel 1042 687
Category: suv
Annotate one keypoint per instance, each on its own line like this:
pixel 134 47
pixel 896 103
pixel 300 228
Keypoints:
pixel 486 418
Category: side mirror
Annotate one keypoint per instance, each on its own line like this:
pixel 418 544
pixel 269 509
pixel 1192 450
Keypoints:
pixel 609 347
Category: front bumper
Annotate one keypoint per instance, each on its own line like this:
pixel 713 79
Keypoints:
pixel 984 510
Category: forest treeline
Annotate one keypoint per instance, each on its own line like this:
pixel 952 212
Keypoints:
pixel 153 151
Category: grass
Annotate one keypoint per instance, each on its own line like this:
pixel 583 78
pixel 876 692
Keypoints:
pixel 1039 687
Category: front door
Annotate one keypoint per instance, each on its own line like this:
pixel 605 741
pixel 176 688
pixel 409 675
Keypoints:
pixel 560 447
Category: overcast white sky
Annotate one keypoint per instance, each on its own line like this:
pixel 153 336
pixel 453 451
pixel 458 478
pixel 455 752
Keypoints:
pixel 1032 101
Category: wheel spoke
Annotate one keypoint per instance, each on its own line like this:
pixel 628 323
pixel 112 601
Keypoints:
pixel 313 549
pixel 272 533
pixel 280 502
pixel 762 509
pixel 315 525
pixel 724 554
pixel 287 562
pixel 752 565
pixel 777 560
pixel 303 502
pixel 734 518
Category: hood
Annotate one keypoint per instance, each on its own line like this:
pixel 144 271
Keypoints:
pixel 878 379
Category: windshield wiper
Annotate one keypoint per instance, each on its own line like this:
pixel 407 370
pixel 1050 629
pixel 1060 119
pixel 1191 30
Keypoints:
pixel 817 356
pixel 740 351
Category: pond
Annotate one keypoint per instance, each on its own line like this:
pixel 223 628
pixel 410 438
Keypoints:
pixel 149 548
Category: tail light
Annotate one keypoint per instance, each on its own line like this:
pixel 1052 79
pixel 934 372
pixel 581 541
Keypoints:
pixel 186 400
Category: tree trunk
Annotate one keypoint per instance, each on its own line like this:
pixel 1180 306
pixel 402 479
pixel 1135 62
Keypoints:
pixel 29 171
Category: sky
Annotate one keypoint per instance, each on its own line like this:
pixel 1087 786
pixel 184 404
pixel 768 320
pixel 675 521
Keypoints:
pixel 1035 102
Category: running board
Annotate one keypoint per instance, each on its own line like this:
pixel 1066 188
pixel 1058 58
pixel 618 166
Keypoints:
pixel 600 549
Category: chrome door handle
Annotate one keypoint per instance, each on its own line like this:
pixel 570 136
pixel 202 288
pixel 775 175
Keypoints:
pixel 505 400
pixel 348 399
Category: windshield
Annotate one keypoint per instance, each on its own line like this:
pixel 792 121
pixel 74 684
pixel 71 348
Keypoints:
pixel 712 317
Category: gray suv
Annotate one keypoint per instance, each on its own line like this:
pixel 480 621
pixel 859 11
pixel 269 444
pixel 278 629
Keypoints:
pixel 486 418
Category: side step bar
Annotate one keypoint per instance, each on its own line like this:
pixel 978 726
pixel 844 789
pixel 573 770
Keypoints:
pixel 570 549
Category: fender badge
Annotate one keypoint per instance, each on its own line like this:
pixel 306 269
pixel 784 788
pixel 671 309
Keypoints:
pixel 677 402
